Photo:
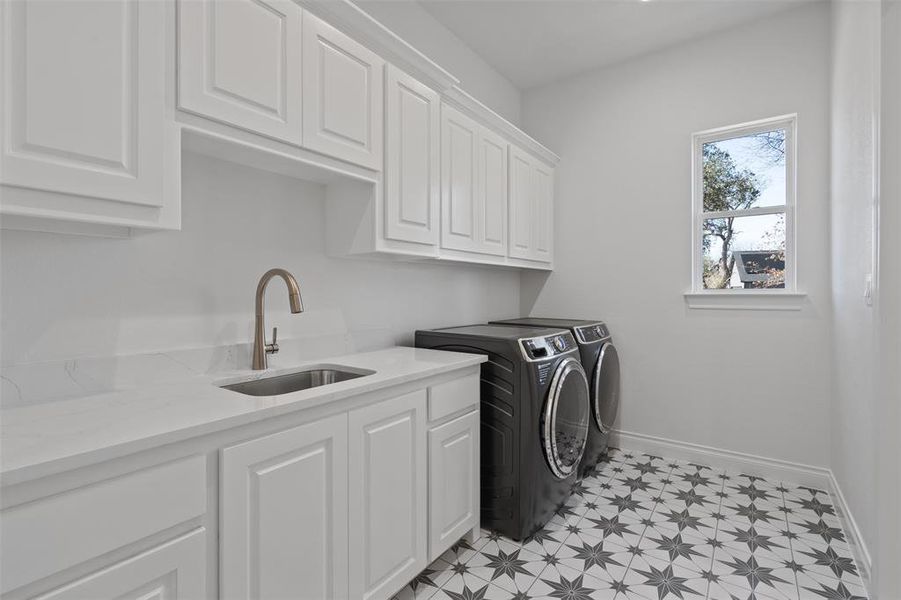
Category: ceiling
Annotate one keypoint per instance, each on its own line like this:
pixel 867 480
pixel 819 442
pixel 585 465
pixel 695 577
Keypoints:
pixel 536 42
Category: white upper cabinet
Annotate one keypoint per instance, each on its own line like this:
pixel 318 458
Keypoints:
pixel 543 215
pixel 412 159
pixel 342 95
pixel 492 193
pixel 284 514
pixel 84 134
pixel 388 493
pixel 459 186
pixel 473 186
pixel 521 192
pixel 239 63
pixel 531 207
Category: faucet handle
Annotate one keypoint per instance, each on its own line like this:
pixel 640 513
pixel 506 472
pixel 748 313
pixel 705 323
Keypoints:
pixel 273 347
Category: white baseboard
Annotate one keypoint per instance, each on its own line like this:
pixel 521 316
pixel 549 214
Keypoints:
pixel 855 537
pixel 769 468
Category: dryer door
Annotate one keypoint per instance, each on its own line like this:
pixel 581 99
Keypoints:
pixel 606 387
pixel 565 418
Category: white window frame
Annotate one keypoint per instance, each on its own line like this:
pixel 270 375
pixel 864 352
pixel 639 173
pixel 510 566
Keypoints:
pixel 699 297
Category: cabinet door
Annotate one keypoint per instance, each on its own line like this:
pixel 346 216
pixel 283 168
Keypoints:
pixel 284 514
pixel 342 91
pixel 84 106
pixel 175 570
pixel 388 495
pixel 521 192
pixel 543 215
pixel 412 185
pixel 459 181
pixel 239 63
pixel 453 482
pixel 492 198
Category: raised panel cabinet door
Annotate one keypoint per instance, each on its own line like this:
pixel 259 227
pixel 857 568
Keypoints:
pixel 492 194
pixel 239 62
pixel 175 570
pixel 412 159
pixel 83 95
pixel 521 229
pixel 453 482
pixel 283 518
pixel 459 181
pixel 388 488
pixel 343 95
pixel 543 211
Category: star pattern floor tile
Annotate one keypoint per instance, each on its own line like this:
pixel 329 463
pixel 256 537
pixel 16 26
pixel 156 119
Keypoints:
pixel 648 528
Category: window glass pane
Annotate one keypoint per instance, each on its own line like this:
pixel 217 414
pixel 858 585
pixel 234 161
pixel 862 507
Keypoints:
pixel 745 172
pixel 744 252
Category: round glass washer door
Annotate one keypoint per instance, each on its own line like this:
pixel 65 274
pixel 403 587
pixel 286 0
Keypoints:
pixel 606 386
pixel 566 418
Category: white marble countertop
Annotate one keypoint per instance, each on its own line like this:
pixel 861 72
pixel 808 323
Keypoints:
pixel 51 437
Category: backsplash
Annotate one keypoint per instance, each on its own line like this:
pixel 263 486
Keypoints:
pixel 80 301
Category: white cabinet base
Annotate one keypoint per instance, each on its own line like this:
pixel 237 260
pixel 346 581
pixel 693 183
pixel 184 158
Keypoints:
pixel 387 520
pixel 284 514
pixel 453 482
pixel 175 570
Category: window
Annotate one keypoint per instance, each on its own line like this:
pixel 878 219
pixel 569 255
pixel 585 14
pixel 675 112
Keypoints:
pixel 743 216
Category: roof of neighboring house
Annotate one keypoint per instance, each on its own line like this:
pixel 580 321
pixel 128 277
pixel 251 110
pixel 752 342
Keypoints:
pixel 757 265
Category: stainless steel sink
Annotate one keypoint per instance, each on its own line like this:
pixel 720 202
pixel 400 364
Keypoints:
pixel 293 382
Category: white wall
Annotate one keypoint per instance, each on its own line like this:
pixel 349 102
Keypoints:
pixel 887 554
pixel 855 106
pixel 421 30
pixel 66 296
pixel 751 382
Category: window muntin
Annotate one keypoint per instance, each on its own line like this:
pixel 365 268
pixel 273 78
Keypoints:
pixel 743 215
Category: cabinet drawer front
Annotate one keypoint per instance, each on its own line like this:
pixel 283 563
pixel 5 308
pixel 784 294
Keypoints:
pixel 453 481
pixel 51 534
pixel 452 397
pixel 175 570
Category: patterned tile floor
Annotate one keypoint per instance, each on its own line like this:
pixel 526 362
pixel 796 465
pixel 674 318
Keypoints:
pixel 648 528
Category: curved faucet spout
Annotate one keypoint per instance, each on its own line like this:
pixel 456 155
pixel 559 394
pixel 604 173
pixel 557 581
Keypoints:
pixel 260 348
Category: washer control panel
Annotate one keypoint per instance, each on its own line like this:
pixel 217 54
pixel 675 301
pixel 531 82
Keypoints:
pixel 592 333
pixel 540 348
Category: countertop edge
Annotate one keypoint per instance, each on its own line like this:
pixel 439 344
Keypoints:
pixel 22 473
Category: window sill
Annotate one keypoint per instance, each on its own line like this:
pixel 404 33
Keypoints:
pixel 745 300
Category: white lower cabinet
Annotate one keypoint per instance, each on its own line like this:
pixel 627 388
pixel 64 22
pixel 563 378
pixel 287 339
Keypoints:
pixel 387 495
pixel 175 570
pixel 453 481
pixel 331 507
pixel 284 514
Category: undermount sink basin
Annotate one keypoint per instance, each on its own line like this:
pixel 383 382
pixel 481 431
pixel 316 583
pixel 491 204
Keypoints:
pixel 294 382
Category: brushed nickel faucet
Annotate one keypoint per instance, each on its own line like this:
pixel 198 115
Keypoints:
pixel 261 349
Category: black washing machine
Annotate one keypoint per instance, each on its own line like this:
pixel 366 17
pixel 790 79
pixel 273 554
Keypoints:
pixel 601 362
pixel 534 419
